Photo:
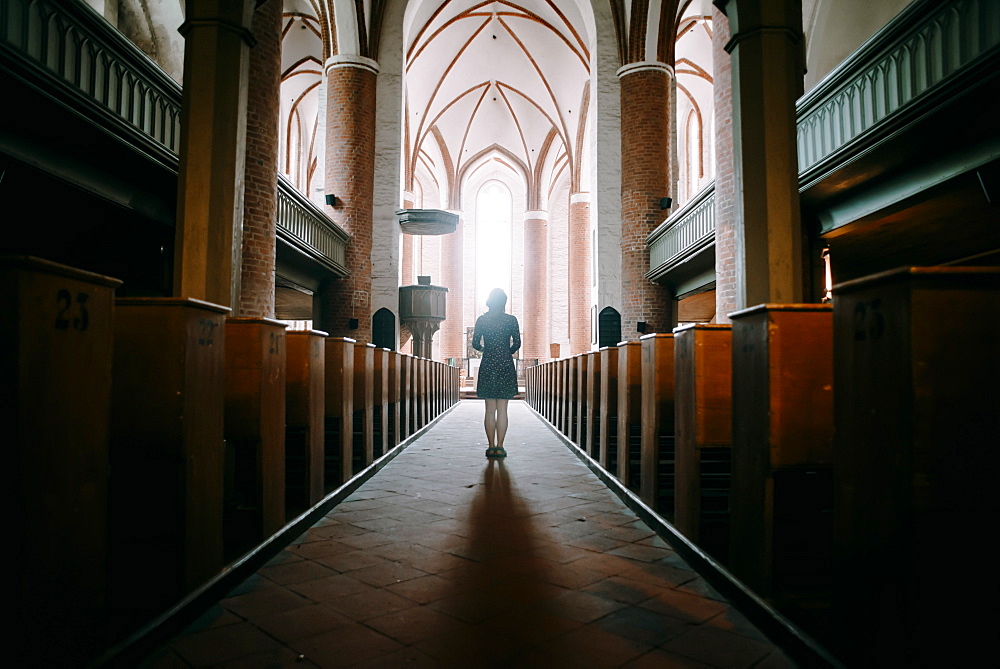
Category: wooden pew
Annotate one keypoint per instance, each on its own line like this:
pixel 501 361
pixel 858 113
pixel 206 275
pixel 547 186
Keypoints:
pixel 255 431
pixel 395 430
pixel 405 395
pixel 917 415
pixel 703 363
pixel 167 451
pixel 782 447
pixel 58 334
pixel 592 443
pixel 608 456
pixel 338 412
pixel 581 417
pixel 629 413
pixel 380 402
pixel 363 423
pixel 657 439
pixel 305 401
pixel 569 398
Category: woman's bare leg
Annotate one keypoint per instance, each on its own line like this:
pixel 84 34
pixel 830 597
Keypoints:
pixel 501 421
pixel 491 422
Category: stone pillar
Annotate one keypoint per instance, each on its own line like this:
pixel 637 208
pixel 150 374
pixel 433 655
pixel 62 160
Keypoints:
pixel 536 285
pixel 766 50
pixel 647 94
pixel 452 269
pixel 580 280
pixel 350 177
pixel 407 276
pixel 213 138
pixel 725 175
pixel 261 171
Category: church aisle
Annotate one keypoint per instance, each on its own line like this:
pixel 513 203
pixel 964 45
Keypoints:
pixel 444 558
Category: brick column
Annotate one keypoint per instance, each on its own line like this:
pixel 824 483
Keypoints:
pixel 580 279
pixel 536 286
pixel 646 95
pixel 260 182
pixel 213 139
pixel 725 172
pixel 766 50
pixel 452 268
pixel 350 177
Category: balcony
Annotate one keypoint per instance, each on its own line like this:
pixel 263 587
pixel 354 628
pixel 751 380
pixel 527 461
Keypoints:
pixel 682 247
pixel 72 56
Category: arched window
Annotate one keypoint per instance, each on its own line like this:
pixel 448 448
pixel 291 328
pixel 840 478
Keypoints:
pixel 493 241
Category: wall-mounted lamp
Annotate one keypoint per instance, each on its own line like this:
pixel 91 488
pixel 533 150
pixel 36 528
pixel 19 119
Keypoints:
pixel 640 326
pixel 352 324
pixel 331 199
pixel 827 275
pixel 666 202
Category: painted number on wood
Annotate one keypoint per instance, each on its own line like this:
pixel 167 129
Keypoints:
pixel 72 311
pixel 869 321
pixel 206 331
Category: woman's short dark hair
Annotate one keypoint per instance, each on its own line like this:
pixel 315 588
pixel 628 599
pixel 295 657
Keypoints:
pixel 497 299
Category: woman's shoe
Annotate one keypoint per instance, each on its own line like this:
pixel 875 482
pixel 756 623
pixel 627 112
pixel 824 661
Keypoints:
pixel 500 452
pixel 492 452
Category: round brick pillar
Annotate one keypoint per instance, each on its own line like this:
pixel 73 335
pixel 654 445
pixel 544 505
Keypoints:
pixel 726 287
pixel 536 286
pixel 350 177
pixel 646 94
pixel 452 268
pixel 580 280
pixel 260 181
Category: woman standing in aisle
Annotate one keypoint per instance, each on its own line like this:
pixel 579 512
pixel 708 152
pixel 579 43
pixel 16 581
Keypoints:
pixel 498 336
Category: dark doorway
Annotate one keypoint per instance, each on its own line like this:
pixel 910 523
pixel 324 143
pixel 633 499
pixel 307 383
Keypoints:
pixel 384 329
pixel 609 327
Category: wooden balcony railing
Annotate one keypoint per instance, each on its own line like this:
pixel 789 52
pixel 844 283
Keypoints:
pixel 75 57
pixel 688 230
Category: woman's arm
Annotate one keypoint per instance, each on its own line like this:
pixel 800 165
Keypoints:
pixel 477 338
pixel 515 336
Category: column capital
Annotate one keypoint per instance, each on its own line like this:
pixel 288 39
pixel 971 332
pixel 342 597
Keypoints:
pixel 349 60
pixel 645 66
pixel 576 198
pixel 536 214
pixel 221 24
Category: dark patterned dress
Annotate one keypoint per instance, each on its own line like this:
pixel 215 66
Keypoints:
pixel 498 337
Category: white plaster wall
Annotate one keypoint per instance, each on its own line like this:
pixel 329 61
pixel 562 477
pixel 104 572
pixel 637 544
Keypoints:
pixel 558 264
pixel 388 154
pixel 606 167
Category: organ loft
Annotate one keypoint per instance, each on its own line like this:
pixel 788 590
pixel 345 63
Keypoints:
pixel 753 247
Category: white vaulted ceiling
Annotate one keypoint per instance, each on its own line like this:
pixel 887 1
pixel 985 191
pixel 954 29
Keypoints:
pixel 504 80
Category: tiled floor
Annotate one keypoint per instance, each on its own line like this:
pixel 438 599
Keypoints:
pixel 446 559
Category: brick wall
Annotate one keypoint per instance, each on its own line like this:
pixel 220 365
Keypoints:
pixel 725 174
pixel 350 174
pixel 535 296
pixel 645 128
pixel 261 167
pixel 579 274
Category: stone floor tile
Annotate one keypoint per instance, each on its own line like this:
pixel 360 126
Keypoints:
pixel 718 648
pixel 446 559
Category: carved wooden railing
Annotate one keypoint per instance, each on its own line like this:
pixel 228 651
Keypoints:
pixel 928 44
pixel 688 230
pixel 70 53
pixel 74 56
pixel 304 225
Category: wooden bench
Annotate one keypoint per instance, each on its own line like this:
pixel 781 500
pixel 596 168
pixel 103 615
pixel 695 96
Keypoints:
pixel 629 414
pixel 592 442
pixel 782 447
pixel 363 422
pixel 338 426
pixel 395 430
pixel 657 474
pixel 405 395
pixel 380 402
pixel 255 431
pixel 917 415
pixel 56 390
pixel 305 398
pixel 580 415
pixel 608 430
pixel 703 363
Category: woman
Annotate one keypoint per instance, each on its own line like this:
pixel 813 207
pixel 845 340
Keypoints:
pixel 497 335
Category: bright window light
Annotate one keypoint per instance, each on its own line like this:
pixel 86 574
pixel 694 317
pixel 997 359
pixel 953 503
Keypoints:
pixel 493 237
